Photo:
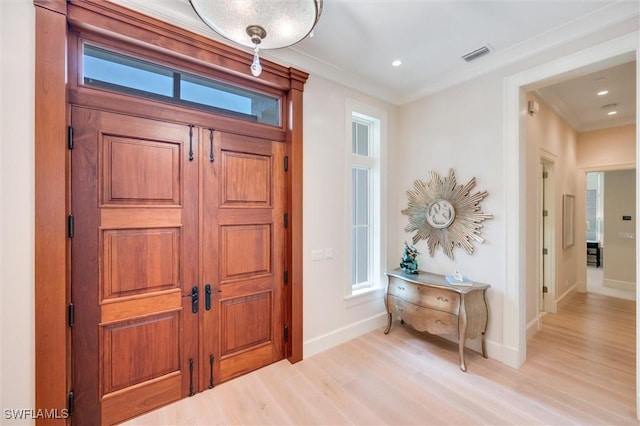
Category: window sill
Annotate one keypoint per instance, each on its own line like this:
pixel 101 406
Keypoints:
pixel 364 295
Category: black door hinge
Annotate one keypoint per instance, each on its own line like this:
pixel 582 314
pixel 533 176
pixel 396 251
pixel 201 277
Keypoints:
pixel 71 314
pixel 70 404
pixel 211 359
pixel 191 391
pixel 545 289
pixel 286 276
pixel 286 333
pixel 286 163
pixel 70 226
pixel 545 175
pixel 70 137
pixel 286 220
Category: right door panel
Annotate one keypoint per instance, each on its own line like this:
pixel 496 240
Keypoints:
pixel 244 255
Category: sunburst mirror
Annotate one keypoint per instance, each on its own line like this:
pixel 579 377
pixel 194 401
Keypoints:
pixel 445 214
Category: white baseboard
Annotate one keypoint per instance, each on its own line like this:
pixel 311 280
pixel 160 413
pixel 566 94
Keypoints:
pixel 327 341
pixel 566 296
pixel 533 327
pixel 512 357
pixel 620 285
pixel 344 334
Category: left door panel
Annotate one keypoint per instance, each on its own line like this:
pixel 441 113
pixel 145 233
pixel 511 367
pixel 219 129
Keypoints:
pixel 134 251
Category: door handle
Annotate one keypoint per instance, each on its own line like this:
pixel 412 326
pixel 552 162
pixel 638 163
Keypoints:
pixel 194 299
pixel 207 296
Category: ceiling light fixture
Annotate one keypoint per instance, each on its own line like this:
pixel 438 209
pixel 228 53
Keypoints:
pixel 260 24
pixel 396 63
pixel 603 92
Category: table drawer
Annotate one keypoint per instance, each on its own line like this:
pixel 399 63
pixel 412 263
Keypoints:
pixel 429 297
pixel 423 319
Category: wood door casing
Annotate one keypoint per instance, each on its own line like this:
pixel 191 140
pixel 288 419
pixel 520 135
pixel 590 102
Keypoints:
pixel 244 200
pixel 54 43
pixel 134 256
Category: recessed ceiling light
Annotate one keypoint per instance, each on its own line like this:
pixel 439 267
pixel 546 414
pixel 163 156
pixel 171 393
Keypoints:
pixel 396 63
pixel 603 92
pixel 610 109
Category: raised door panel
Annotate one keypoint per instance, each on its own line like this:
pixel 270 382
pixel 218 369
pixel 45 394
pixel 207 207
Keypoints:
pixel 134 257
pixel 245 251
pixel 140 349
pixel 246 180
pixel 138 171
pixel 139 261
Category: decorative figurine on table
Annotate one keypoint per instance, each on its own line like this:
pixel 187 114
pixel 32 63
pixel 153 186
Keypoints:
pixel 409 264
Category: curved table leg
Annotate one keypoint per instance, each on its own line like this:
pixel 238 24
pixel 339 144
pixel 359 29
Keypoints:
pixel 484 347
pixel 461 341
pixel 463 365
pixel 386 331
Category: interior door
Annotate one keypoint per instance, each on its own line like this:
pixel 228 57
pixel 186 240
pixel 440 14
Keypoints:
pixel 243 252
pixel 135 261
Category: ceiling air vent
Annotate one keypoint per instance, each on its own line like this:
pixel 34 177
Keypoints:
pixel 471 56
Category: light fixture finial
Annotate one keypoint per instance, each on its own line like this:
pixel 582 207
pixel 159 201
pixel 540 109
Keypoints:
pixel 256 68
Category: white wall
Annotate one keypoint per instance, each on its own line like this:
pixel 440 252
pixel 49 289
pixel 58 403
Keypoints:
pixel 17 345
pixel 458 128
pixel 619 252
pixel 477 128
pixel 607 149
pixel 550 137
pixel 329 317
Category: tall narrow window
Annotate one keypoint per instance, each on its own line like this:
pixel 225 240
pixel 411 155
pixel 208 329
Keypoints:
pixel 361 203
pixel 365 199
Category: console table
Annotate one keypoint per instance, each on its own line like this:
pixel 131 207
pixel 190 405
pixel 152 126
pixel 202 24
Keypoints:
pixel 429 303
pixel 593 253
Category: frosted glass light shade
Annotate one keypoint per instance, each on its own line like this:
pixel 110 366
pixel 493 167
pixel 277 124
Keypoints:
pixel 286 22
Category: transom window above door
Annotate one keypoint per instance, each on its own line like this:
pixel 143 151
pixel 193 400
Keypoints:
pixel 114 71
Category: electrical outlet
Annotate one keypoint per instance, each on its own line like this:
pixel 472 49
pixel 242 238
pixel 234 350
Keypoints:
pixel 317 254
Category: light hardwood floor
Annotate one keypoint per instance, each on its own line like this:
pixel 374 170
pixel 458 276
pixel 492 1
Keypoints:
pixel 580 369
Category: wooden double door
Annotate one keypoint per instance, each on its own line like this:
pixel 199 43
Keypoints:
pixel 178 261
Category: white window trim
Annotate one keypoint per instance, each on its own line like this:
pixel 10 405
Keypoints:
pixel 378 217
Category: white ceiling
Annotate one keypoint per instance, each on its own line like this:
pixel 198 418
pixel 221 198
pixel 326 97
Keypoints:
pixel 355 42
pixel 578 102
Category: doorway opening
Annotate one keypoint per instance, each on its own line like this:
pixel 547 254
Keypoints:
pixel 517 161
pixel 610 202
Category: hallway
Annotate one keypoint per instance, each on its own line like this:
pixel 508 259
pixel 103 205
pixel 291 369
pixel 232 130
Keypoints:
pixel 595 285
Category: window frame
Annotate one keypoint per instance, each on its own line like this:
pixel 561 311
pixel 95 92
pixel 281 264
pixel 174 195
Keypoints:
pixel 376 163
pixel 178 76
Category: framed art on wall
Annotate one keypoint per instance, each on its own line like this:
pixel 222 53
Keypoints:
pixel 568 207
